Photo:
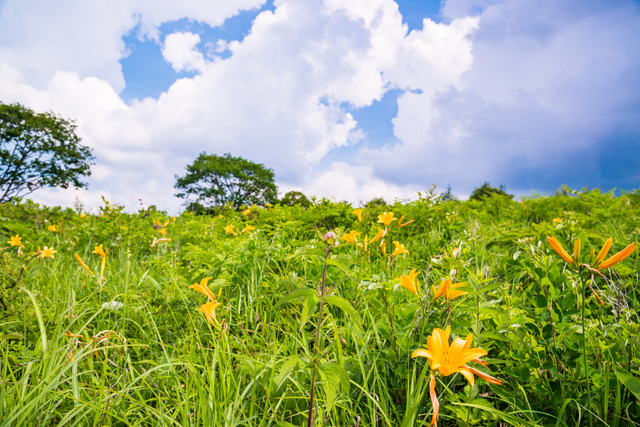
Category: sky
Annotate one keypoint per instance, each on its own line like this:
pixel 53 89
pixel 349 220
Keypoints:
pixel 352 100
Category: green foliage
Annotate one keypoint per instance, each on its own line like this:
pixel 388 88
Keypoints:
pixel 376 202
pixel 215 180
pixel 38 150
pixel 140 353
pixel 293 198
pixel 486 190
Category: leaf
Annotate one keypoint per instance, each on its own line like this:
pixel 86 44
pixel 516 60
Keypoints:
pixel 296 294
pixel 629 381
pixel 333 376
pixel 334 262
pixel 348 309
pixel 308 309
pixel 285 369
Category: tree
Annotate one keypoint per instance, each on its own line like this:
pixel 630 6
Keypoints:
pixel 216 180
pixel 486 190
pixel 38 150
pixel 293 198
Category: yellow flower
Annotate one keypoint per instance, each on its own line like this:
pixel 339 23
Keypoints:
pixel 82 215
pixel 229 229
pixel 556 220
pixel 83 265
pixel 386 218
pixel 351 237
pixel 52 227
pixel 447 290
pixel 400 249
pixel 358 213
pixel 248 228
pixel 98 250
pixel 409 282
pixel 559 249
pixel 209 310
pixel 406 223
pixel 379 235
pixel 576 250
pixel 46 252
pixel 247 212
pixel 203 288
pixel 449 359
pixel 383 246
pixel 616 258
pixel 15 241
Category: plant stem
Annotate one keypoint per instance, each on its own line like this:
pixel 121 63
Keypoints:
pixel 584 348
pixel 315 345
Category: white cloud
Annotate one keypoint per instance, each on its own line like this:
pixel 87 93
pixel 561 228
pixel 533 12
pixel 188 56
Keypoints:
pixel 181 51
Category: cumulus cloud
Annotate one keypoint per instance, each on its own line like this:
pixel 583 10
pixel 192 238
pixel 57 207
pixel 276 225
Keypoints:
pixel 181 51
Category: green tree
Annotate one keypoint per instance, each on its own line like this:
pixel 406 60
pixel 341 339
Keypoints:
pixel 38 150
pixel 486 190
pixel 217 180
pixel 293 198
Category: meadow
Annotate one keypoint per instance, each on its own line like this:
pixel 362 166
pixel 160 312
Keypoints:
pixel 484 313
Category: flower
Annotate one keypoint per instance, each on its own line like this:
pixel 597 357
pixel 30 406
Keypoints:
pixel 83 265
pixel 203 288
pixel 52 227
pixel 616 258
pixel 351 237
pixel 386 218
pixel 98 250
pixel 248 228
pixel 446 289
pixel 229 229
pixel 406 223
pixel 559 249
pixel 15 241
pixel 409 282
pixel 379 235
pixel 46 252
pixel 400 249
pixel 358 213
pixel 449 359
pixel 209 310
pixel 247 212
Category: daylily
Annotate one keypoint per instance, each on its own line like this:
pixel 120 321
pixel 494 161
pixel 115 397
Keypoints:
pixel 400 249
pixel 247 212
pixel 46 252
pixel 98 250
pixel 351 237
pixel 447 289
pixel 15 241
pixel 83 265
pixel 560 250
pixel 52 227
pixel 229 229
pixel 406 223
pixel 248 228
pixel 448 359
pixel 209 310
pixel 615 258
pixel 386 218
pixel 203 288
pixel 409 282
pixel 358 213
pixel 379 235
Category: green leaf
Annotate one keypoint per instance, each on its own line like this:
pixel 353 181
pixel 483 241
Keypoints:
pixel 296 294
pixel 629 381
pixel 348 309
pixel 308 309
pixel 285 369
pixel 333 376
pixel 334 262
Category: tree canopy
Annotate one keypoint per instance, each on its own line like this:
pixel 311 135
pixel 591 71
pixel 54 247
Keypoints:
pixel 214 180
pixel 38 150
pixel 486 190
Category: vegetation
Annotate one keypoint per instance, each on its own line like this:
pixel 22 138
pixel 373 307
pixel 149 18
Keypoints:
pixel 38 150
pixel 486 190
pixel 213 180
pixel 286 316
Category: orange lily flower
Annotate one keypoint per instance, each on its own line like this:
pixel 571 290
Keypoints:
pixel 379 235
pixel 351 237
pixel 400 249
pixel 358 213
pixel 448 359
pixel 229 229
pixel 615 258
pixel 447 290
pixel 560 250
pixel 209 310
pixel 83 265
pixel 203 288
pixel 248 228
pixel 409 282
pixel 98 250
pixel 46 252
pixel 386 218
pixel 15 241
pixel 52 227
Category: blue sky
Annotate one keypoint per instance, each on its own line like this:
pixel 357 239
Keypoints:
pixel 354 100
